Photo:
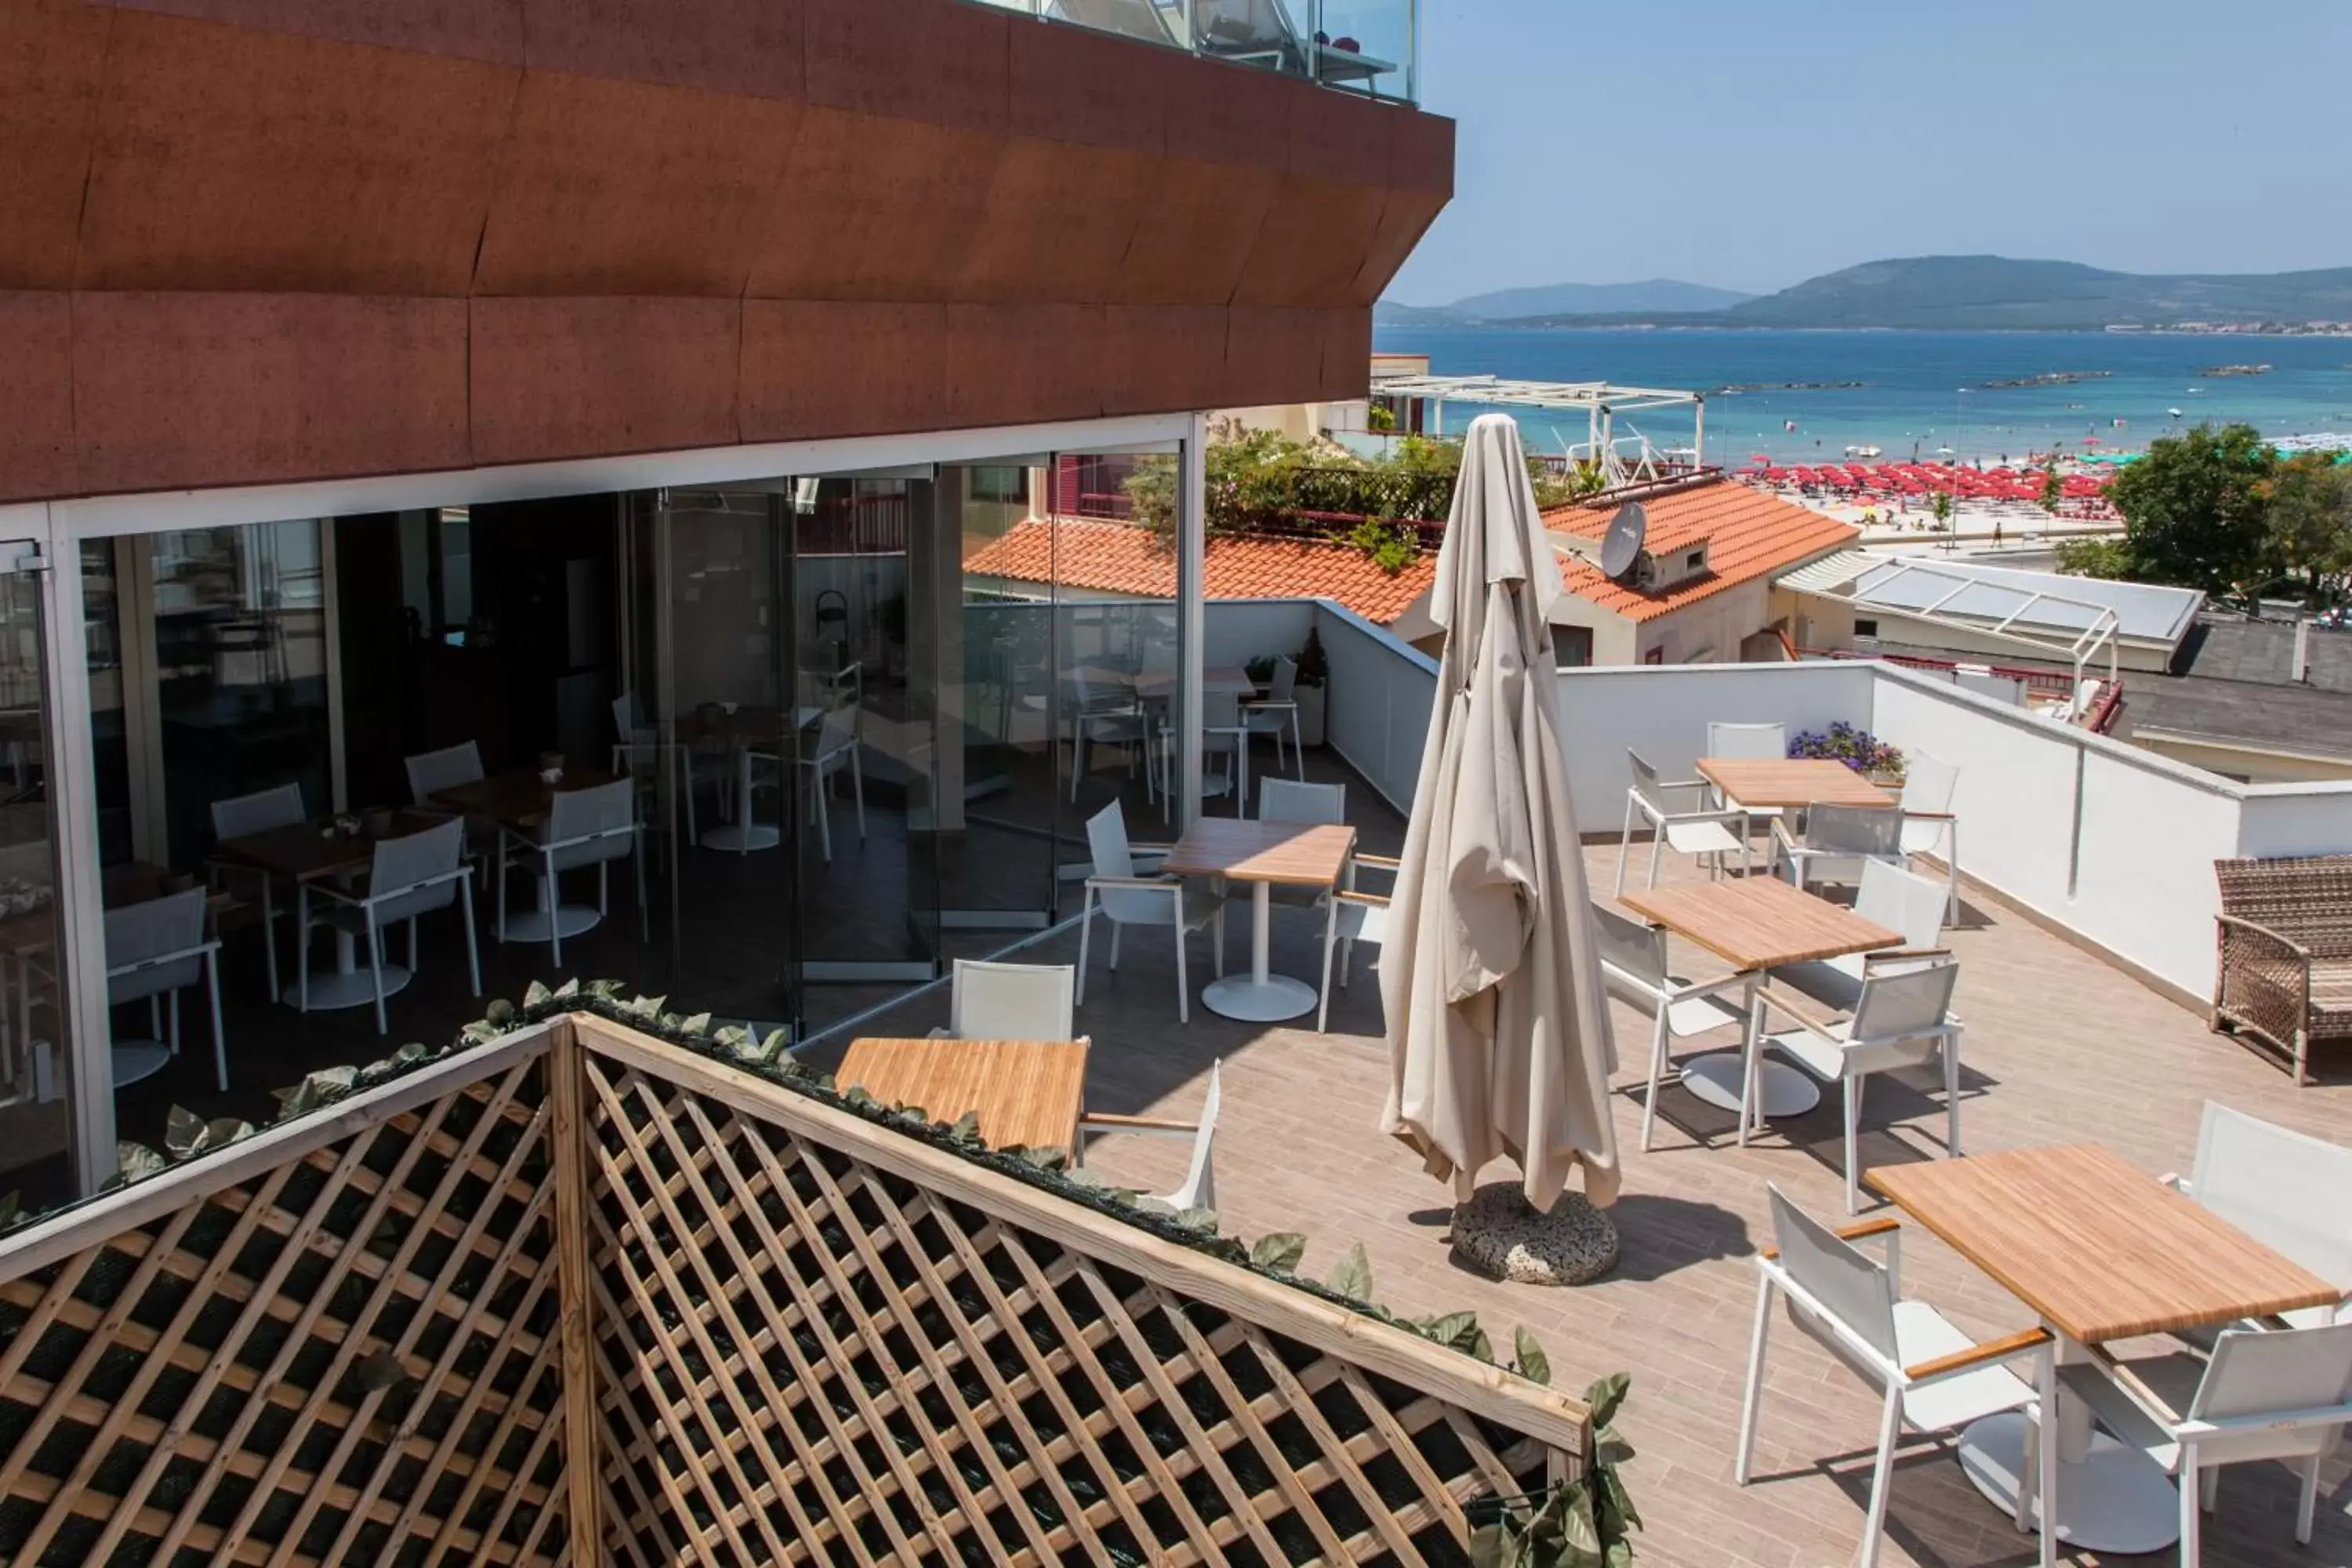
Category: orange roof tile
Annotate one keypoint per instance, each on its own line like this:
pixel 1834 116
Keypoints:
pixel 1120 558
pixel 1750 534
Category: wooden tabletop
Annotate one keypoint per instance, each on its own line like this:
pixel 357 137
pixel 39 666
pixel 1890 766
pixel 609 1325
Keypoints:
pixel 1790 781
pixel 1026 1092
pixel 1759 922
pixel 518 797
pixel 1290 853
pixel 307 851
pixel 2101 1250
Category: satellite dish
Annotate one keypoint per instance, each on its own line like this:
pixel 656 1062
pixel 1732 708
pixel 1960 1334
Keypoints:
pixel 1622 549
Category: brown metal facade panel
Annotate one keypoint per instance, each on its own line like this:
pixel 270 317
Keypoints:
pixel 37 448
pixel 1158 357
pixel 179 390
pixel 818 369
pixel 623 188
pixel 1273 355
pixel 312 238
pixel 232 159
pixel 583 377
pixel 874 208
pixel 1347 354
pixel 489 30
pixel 51 55
pixel 1018 365
pixel 1057 223
pixel 754 47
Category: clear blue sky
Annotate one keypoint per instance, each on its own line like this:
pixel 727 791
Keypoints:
pixel 1752 146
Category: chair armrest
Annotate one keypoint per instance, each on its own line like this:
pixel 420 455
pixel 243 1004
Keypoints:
pixel 1729 813
pixel 1150 884
pixel 1114 1122
pixel 1812 1025
pixel 320 890
pixel 1369 901
pixel 1860 1230
pixel 1928 816
pixel 2007 1347
pixel 1685 990
pixel 2264 933
pixel 1903 955
pixel 1389 862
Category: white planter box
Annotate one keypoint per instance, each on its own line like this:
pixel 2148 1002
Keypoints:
pixel 1310 713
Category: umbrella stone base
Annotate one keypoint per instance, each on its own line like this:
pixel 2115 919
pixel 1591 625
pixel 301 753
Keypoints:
pixel 1500 1234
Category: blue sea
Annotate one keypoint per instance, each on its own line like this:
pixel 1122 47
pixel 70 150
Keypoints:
pixel 1918 392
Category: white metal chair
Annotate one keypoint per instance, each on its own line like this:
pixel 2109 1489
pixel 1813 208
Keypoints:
pixel 827 746
pixel 1748 740
pixel 2262 1179
pixel 2285 1396
pixel 1900 900
pixel 1010 1002
pixel 1928 826
pixel 584 828
pixel 1352 917
pixel 1903 1018
pixel 1276 711
pixel 1699 833
pixel 1307 805
pixel 1222 734
pixel 639 754
pixel 1837 843
pixel 154 950
pixel 1932 1377
pixel 1634 966
pixel 1129 897
pixel 430 772
pixel 1103 716
pixel 410 876
pixel 1199 1187
pixel 257 813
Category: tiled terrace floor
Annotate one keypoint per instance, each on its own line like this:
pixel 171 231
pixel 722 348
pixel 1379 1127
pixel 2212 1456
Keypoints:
pixel 2061 1048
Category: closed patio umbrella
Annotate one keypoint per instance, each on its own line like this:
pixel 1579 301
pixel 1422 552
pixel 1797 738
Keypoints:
pixel 1497 1026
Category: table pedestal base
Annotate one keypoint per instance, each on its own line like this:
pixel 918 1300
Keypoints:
pixel 1254 1001
pixel 2116 1501
pixel 135 1060
pixel 532 925
pixel 737 839
pixel 1714 1079
pixel 346 988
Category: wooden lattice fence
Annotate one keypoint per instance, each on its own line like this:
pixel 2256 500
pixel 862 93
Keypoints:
pixel 583 1294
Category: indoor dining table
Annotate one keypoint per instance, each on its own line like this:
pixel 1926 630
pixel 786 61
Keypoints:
pixel 1261 854
pixel 743 730
pixel 337 850
pixel 517 799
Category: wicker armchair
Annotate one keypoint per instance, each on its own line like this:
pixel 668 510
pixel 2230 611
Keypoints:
pixel 2284 969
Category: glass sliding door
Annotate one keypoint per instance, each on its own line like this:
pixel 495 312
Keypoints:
pixel 35 1065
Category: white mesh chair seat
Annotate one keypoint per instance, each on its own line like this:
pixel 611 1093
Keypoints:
pixel 1103 715
pixel 408 877
pixel 1199 1189
pixel 1311 805
pixel 1839 843
pixel 1011 1002
pixel 158 948
pixel 1902 1018
pixel 1350 917
pixel 1900 900
pixel 583 828
pixel 1224 736
pixel 430 772
pixel 2260 1177
pixel 2285 1395
pixel 1928 826
pixel 1930 1376
pixel 1277 714
pixel 1126 897
pixel 1633 966
pixel 1755 742
pixel 1709 833
pixel 257 813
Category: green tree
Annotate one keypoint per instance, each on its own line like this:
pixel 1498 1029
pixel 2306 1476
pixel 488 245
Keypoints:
pixel 2195 509
pixel 2309 522
pixel 2054 489
pixel 1941 505
pixel 2093 558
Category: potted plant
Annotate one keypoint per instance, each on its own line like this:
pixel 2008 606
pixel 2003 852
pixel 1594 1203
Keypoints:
pixel 1314 674
pixel 1880 761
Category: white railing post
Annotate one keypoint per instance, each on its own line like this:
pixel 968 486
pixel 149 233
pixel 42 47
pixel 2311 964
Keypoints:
pixel 1191 611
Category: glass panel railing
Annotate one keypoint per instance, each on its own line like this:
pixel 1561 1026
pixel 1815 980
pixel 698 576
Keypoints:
pixel 1356 45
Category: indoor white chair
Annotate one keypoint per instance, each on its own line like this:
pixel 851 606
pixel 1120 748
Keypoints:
pixel 1199 1189
pixel 248 813
pixel 1709 833
pixel 1928 826
pixel 1931 1377
pixel 1902 1018
pixel 1277 711
pixel 1103 716
pixel 429 773
pixel 1010 1002
pixel 2285 1396
pixel 829 745
pixel 154 950
pixel 638 754
pixel 1127 896
pixel 1351 917
pixel 1634 966
pixel 1897 900
pixel 1748 740
pixel 410 876
pixel 1222 735
pixel 1837 843
pixel 1307 805
pixel 583 828
pixel 2262 1178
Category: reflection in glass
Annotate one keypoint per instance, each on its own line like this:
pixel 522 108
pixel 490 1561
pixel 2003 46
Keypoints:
pixel 34 1061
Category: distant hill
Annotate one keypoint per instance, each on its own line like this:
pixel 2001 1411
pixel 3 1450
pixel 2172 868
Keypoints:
pixel 1968 292
pixel 1655 294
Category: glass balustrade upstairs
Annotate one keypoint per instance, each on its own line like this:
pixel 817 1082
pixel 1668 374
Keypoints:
pixel 1356 46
